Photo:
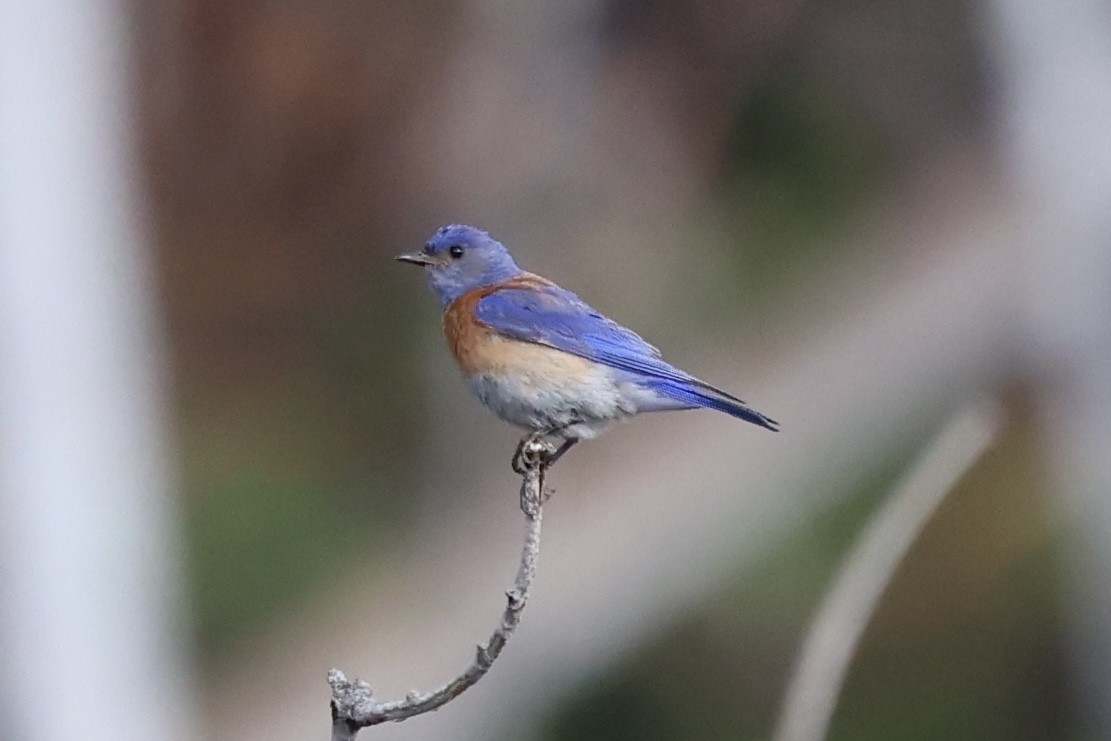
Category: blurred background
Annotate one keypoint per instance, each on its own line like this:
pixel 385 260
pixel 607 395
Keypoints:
pixel 234 452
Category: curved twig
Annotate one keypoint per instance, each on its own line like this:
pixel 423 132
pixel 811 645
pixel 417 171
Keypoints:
pixel 353 703
pixel 864 575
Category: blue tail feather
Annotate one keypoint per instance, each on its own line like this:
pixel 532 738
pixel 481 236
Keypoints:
pixel 699 394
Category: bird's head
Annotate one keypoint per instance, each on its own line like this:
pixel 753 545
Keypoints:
pixel 460 258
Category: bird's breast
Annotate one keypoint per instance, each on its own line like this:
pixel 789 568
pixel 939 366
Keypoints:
pixel 480 350
pixel 528 384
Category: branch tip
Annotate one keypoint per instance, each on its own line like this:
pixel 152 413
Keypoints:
pixel 336 679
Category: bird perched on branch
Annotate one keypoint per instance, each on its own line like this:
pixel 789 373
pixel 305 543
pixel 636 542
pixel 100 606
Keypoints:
pixel 540 358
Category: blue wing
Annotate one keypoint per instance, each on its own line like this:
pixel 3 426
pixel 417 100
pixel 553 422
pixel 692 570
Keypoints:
pixel 549 315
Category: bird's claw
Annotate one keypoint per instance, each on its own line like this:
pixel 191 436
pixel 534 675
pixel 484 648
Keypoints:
pixel 533 452
pixel 536 453
pixel 533 456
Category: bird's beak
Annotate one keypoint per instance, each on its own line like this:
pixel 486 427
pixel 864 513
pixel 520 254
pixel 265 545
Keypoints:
pixel 416 258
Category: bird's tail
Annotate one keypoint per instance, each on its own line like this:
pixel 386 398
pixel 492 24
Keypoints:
pixel 698 394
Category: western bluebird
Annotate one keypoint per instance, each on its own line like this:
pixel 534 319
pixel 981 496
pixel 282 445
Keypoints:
pixel 539 358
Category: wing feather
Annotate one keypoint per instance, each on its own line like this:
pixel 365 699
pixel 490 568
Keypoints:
pixel 531 309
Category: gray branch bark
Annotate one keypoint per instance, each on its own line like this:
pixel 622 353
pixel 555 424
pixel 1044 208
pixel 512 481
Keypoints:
pixel 353 704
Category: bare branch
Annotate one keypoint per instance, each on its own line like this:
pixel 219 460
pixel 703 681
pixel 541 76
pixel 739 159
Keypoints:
pixel 864 575
pixel 353 703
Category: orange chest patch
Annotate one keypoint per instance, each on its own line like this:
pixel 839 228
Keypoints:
pixel 479 349
pixel 469 340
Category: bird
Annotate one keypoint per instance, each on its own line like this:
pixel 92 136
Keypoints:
pixel 540 358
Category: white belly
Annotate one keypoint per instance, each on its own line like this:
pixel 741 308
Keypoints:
pixel 577 406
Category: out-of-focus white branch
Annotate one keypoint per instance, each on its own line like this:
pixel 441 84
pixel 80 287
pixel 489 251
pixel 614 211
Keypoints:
pixel 353 703
pixel 1054 61
pixel 848 607
pixel 91 627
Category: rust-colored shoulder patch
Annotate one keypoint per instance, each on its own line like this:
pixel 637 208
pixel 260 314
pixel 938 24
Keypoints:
pixel 462 330
pixel 473 344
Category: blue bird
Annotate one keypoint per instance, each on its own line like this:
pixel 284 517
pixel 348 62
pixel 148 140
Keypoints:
pixel 538 357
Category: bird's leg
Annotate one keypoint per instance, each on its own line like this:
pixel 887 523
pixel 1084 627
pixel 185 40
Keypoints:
pixel 548 460
pixel 544 450
pixel 537 452
pixel 558 452
pixel 548 457
pixel 549 453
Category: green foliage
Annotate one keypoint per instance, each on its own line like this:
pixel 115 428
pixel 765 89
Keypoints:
pixel 257 544
pixel 309 463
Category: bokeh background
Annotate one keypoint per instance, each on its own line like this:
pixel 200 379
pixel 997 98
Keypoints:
pixel 860 217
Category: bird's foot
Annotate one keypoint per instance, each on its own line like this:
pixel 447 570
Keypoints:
pixel 534 455
pixel 535 450
pixel 544 452
pixel 556 454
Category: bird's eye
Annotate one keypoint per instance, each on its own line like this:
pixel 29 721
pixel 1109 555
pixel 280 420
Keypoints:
pixel 456 251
